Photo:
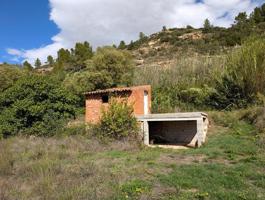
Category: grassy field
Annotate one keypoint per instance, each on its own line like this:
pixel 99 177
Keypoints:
pixel 231 165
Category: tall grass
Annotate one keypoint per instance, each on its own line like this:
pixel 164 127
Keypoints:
pixel 183 85
pixel 185 71
pixel 246 66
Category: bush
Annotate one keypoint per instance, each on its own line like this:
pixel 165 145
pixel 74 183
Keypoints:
pixel 9 75
pixel 256 116
pixel 35 105
pixel 196 96
pixel 229 95
pixel 244 77
pixel 117 121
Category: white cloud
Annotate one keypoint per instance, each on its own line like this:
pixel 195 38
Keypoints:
pixel 14 52
pixel 105 22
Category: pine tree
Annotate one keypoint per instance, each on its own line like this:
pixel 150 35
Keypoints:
pixel 241 18
pixel 131 45
pixel 207 26
pixel 50 60
pixel 142 36
pixel 258 15
pixel 63 56
pixel 27 66
pixel 37 63
pixel 122 45
pixel 81 53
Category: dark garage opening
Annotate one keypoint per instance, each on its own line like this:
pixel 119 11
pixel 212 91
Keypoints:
pixel 172 132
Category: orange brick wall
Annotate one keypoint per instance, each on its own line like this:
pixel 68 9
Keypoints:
pixel 94 103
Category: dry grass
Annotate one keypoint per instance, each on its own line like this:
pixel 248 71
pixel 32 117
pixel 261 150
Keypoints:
pixel 78 167
pixel 59 168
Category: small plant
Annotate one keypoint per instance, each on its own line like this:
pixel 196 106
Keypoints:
pixel 117 121
pixel 135 188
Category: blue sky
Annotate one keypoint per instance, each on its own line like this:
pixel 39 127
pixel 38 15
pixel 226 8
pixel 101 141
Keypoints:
pixel 24 24
pixel 33 29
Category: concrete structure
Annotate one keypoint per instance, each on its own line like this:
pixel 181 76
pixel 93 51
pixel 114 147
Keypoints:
pixel 139 97
pixel 174 129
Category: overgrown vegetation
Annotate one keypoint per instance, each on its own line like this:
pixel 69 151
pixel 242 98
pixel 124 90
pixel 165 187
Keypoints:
pixel 117 121
pixel 229 166
pixel 221 82
pixel 244 76
pixel 35 105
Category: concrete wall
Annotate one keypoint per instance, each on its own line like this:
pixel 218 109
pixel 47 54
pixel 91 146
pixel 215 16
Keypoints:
pixel 135 97
pixel 172 132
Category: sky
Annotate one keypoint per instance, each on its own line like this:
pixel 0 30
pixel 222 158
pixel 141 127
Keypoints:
pixel 32 29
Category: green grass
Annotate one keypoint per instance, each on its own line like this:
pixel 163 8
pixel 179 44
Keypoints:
pixel 229 166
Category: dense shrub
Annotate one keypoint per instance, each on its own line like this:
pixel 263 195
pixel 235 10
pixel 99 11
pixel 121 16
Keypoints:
pixel 35 105
pixel 256 116
pixel 165 99
pixel 9 75
pixel 196 96
pixel 229 95
pixel 117 121
pixel 244 77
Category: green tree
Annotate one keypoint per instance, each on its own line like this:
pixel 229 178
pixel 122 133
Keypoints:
pixel 64 60
pixel 131 45
pixel 81 53
pixel 142 37
pixel 258 15
pixel 115 63
pixel 63 56
pixel 207 26
pixel 37 63
pixel 122 45
pixel 27 66
pixel 35 105
pixel 86 81
pixel 241 18
pixel 50 60
pixel 189 27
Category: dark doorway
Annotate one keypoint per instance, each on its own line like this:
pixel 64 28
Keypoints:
pixel 172 132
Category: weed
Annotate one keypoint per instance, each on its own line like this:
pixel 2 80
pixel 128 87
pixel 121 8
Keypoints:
pixel 135 188
pixel 6 158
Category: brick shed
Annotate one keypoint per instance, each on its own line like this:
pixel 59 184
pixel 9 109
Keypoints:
pixel 139 97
